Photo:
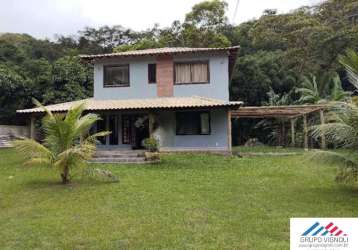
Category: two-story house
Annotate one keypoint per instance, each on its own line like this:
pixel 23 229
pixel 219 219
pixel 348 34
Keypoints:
pixel 178 95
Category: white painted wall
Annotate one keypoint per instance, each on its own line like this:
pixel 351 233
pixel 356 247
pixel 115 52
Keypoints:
pixel 140 88
pixel 219 79
pixel 166 132
pixel 138 76
pixel 217 140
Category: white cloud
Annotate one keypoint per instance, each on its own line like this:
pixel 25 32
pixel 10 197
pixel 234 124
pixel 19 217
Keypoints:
pixel 44 18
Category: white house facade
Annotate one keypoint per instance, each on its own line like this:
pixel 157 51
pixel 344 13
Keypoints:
pixel 180 96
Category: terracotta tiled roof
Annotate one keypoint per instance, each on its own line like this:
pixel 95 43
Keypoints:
pixel 130 104
pixel 160 51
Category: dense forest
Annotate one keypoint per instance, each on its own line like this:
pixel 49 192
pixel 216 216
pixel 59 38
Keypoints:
pixel 281 55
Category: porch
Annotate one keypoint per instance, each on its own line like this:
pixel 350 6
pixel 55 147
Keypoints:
pixel 178 123
pixel 177 130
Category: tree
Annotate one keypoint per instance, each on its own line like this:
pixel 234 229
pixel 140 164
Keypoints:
pixel 14 89
pixel 71 80
pixel 67 145
pixel 342 131
pixel 145 43
pixel 255 75
pixel 275 99
pixel 204 26
pixel 207 15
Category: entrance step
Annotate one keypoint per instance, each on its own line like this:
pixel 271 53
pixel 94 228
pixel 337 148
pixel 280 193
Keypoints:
pixel 5 142
pixel 118 160
pixel 119 153
pixel 119 156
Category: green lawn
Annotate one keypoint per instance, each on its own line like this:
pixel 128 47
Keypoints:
pixel 186 202
pixel 267 149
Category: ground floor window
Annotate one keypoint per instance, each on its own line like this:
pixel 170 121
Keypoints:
pixel 193 123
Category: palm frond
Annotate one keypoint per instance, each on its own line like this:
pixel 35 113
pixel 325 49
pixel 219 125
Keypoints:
pixel 93 138
pixel 85 123
pixel 30 148
pixel 38 161
pixel 75 112
pixel 338 133
pixel 350 62
pixel 352 77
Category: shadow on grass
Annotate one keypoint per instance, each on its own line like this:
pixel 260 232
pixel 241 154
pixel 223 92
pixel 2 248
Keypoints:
pixel 76 183
pixel 348 189
pixel 344 191
pixel 190 163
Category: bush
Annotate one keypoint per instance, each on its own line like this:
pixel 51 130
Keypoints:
pixel 151 144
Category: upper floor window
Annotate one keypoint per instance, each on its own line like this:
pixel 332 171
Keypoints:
pixel 116 75
pixel 152 73
pixel 191 72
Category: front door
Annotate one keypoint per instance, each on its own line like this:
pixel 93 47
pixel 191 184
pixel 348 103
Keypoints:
pixel 108 123
pixel 113 127
pixel 135 128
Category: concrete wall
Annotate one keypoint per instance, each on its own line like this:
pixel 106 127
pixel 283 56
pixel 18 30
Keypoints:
pixel 17 131
pixel 219 79
pixel 138 77
pixel 140 88
pixel 217 140
pixel 166 133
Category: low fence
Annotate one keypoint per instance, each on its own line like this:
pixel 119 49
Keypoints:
pixel 14 131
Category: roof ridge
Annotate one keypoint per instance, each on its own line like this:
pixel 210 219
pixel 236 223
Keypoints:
pixel 163 50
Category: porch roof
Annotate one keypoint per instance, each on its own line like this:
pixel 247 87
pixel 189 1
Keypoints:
pixel 132 104
pixel 291 111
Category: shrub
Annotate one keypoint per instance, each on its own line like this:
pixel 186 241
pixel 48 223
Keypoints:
pixel 151 144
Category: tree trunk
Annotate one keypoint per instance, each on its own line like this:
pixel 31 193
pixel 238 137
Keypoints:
pixel 64 175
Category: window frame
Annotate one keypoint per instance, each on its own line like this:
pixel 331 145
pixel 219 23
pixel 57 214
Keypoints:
pixel 207 62
pixel 199 114
pixel 126 140
pixel 115 85
pixel 155 75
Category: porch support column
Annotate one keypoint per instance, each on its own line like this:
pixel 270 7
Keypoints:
pixel 293 143
pixel 151 121
pixel 32 127
pixel 283 138
pixel 229 131
pixel 106 119
pixel 305 132
pixel 323 138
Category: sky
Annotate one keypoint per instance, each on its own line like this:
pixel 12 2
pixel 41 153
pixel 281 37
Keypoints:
pixel 45 18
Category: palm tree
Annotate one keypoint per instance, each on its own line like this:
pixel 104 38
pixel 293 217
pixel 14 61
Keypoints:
pixel 324 89
pixel 337 92
pixel 350 62
pixel 67 144
pixel 342 131
pixel 342 127
pixel 275 99
pixel 310 90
